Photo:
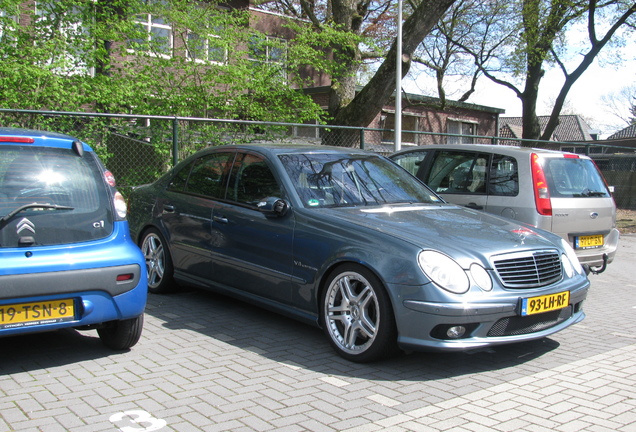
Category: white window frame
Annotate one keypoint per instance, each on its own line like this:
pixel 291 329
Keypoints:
pixel 81 69
pixel 150 23
pixel 266 46
pixel 12 17
pixel 205 49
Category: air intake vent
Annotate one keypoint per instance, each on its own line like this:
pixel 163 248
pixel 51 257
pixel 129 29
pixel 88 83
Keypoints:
pixel 529 270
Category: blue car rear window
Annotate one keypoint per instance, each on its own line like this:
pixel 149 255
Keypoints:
pixel 52 177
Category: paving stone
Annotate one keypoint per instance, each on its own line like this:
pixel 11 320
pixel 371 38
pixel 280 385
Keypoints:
pixel 210 363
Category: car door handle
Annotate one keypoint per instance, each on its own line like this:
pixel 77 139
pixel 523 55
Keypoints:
pixel 167 208
pixel 474 206
pixel 220 219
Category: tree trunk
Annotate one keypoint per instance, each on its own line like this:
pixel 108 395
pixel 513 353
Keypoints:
pixel 366 105
pixel 530 121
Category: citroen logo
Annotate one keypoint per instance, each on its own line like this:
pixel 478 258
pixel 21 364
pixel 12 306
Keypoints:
pixel 593 215
pixel 25 224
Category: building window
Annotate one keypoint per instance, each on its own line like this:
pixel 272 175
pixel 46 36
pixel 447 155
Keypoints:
pixel 71 35
pixel 268 50
pixel 410 124
pixel 7 21
pixel 206 49
pixel 157 31
pixel 463 132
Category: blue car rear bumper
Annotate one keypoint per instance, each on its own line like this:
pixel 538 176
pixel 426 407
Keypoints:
pixel 103 280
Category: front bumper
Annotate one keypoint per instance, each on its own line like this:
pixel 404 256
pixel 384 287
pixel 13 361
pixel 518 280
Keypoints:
pixel 422 325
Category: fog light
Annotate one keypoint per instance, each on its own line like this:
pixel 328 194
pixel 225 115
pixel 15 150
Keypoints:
pixel 456 332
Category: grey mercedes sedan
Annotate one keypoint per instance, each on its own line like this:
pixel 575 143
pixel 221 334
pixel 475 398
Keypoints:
pixel 349 241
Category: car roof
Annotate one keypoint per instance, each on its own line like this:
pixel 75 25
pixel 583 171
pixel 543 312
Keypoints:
pixel 491 148
pixel 278 148
pixel 40 138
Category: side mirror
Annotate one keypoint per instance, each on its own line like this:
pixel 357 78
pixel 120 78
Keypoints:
pixel 275 206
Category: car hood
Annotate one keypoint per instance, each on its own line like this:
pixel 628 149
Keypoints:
pixel 456 231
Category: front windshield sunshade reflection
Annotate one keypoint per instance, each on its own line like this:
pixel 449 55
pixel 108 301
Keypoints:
pixel 337 180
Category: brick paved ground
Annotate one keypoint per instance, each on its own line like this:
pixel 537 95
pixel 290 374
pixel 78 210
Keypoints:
pixel 210 363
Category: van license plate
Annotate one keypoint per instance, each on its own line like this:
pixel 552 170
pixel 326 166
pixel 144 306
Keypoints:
pixel 546 303
pixel 28 314
pixel 586 242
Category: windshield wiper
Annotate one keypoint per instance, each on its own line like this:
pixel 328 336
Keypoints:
pixel 591 193
pixel 5 219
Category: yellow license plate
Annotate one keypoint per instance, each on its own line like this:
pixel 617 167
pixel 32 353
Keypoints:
pixel 546 303
pixel 28 314
pixel 585 242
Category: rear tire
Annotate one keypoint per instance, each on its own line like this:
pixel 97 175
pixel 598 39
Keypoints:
pixel 123 334
pixel 158 262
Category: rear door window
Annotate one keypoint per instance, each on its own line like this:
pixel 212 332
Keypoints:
pixel 458 172
pixel 53 176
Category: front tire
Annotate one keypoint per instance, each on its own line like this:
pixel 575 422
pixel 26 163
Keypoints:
pixel 158 262
pixel 357 315
pixel 123 334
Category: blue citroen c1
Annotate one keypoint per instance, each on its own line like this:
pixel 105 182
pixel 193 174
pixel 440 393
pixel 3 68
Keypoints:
pixel 66 256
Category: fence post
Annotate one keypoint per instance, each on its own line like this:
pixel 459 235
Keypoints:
pixel 362 138
pixel 175 141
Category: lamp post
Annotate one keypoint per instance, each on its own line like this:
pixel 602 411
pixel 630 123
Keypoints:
pixel 398 81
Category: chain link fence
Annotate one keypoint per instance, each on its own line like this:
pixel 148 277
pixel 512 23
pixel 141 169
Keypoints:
pixel 138 149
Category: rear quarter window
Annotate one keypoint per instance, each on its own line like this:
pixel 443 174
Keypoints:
pixel 504 176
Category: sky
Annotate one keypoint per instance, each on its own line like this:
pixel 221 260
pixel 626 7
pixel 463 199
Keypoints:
pixel 585 97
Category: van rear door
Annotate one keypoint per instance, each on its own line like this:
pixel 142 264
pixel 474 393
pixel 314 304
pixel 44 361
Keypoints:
pixel 583 209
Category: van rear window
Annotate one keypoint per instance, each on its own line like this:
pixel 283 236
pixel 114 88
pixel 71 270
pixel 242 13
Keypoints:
pixel 574 178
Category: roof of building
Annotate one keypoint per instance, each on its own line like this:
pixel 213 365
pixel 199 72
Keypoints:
pixel 424 100
pixel 570 128
pixel 628 132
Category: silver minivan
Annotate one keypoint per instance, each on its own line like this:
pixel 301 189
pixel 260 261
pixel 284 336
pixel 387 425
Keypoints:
pixel 560 192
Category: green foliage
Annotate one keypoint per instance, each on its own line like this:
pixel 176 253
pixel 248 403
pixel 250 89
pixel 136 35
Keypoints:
pixel 75 55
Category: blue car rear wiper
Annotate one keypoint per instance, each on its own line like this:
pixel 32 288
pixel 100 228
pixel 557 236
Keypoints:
pixel 5 219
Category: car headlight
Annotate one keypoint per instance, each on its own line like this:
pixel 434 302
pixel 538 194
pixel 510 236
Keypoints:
pixel 571 255
pixel 481 277
pixel 444 271
pixel 567 266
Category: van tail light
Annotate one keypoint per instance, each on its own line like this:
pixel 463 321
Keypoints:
pixel 541 192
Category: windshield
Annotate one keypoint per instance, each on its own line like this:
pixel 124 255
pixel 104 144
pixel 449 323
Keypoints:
pixel 51 196
pixel 343 180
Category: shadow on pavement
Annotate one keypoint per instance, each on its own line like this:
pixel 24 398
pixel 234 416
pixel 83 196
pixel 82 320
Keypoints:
pixel 30 352
pixel 285 340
